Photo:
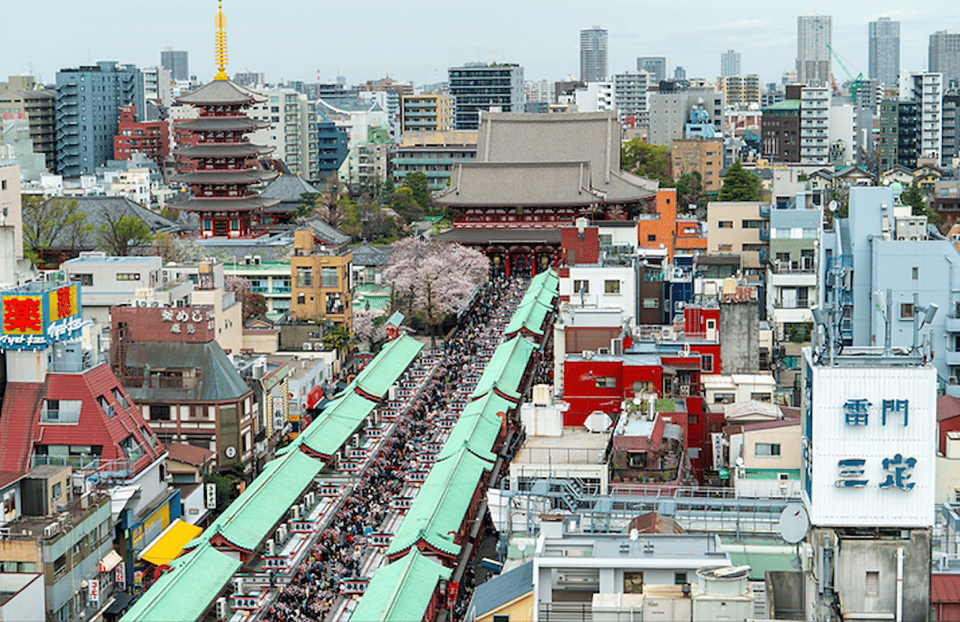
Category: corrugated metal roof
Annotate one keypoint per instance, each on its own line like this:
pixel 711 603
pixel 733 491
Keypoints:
pixel 248 520
pixel 401 590
pixel 506 367
pixel 219 381
pixel 948 407
pixel 441 505
pixel 761 563
pixel 502 589
pixel 187 590
pixel 944 588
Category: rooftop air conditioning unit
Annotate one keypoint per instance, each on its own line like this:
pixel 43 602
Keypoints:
pixel 307 345
pixel 256 260
pixel 51 530
pixel 271 547
pixel 221 608
pixel 587 354
pixel 603 351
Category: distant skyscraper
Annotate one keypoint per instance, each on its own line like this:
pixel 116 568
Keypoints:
pixel 679 73
pixel 945 57
pixel 176 63
pixel 813 57
pixel 730 63
pixel 482 86
pixel 657 65
pixel 593 54
pixel 884 52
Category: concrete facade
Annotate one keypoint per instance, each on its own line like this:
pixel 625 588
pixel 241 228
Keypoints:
pixel 670 112
pixel 701 156
pixel 593 54
pixel 739 228
pixel 481 86
pixel 944 57
pixel 739 337
pixel 814 34
pixel 883 55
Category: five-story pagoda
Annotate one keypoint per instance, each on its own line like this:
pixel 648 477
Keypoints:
pixel 222 157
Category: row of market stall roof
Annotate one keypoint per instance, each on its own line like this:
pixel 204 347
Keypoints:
pixel 192 582
pixel 425 549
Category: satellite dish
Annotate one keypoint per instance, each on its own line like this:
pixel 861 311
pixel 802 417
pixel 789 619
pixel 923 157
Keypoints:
pixel 833 206
pixel 794 523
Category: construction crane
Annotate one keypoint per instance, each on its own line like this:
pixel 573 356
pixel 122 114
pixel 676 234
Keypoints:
pixel 855 83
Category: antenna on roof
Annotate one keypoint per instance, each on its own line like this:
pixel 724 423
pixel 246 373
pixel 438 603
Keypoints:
pixel 221 53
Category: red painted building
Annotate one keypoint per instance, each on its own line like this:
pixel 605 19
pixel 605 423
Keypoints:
pixel 151 138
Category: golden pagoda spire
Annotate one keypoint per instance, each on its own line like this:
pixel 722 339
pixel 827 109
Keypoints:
pixel 221 44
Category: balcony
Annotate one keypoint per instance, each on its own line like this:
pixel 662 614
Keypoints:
pixel 952 357
pixel 952 324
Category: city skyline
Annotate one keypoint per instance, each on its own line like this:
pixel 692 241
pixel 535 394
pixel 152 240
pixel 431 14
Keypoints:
pixel 545 44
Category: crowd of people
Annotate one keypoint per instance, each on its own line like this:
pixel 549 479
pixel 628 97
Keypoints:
pixel 313 592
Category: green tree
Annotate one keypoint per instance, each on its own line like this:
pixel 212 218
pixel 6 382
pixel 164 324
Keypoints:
pixel 403 203
pixel 739 184
pixel 690 191
pixel 337 338
pixel 306 206
pixel 387 189
pixel 120 234
pixel 646 160
pixel 419 188
pixel 914 197
pixel 53 224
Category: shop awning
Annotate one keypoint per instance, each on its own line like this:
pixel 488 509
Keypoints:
pixel 109 561
pixel 170 543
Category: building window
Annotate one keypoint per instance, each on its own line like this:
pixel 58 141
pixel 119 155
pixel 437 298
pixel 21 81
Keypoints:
pixel 693 419
pixel 906 310
pixel 128 276
pixel 611 287
pixel 304 276
pixel 766 449
pixel 160 412
pixel 61 411
pixel 605 382
pixel 56 491
pixel 724 248
pixel 329 276
pixel 301 299
pixel 725 224
pixel 679 578
pixel 872 583
pixel 916 273
pixel 760 397
pixel 83 279
pixel 581 286
pixel 706 363
pixel 651 303
pixel 651 237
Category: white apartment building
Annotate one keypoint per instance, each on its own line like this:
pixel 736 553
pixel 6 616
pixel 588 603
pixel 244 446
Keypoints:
pixel 157 85
pixel 814 124
pixel 630 92
pixel 926 88
pixel 595 96
pixel 292 132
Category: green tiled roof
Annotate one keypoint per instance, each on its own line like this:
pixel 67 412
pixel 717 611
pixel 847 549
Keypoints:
pixel 247 521
pixel 761 563
pixel 187 590
pixel 529 316
pixel 441 504
pixel 544 295
pixel 384 370
pixel 401 590
pixel 477 428
pixel 340 419
pixel 505 368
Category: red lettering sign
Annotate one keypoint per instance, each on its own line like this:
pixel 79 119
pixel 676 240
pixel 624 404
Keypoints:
pixel 21 316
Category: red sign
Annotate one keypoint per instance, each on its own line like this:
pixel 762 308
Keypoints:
pixel 21 316
pixel 453 588
pixel 315 395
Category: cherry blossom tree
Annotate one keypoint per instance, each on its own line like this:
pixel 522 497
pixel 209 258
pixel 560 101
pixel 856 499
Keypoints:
pixel 434 279
pixel 366 327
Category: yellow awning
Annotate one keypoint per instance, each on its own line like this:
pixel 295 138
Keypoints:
pixel 170 543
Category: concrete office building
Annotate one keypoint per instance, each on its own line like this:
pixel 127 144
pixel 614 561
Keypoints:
pixel 884 51
pixel 944 57
pixel 176 62
pixel 670 112
pixel 813 57
pixel 88 106
pixel 740 89
pixel 656 65
pixel 730 63
pixel 594 96
pixel 950 132
pixel 292 132
pixel 433 154
pixel 484 86
pixel 630 92
pixel 898 142
pixel 19 94
pixel 593 54
pixel 926 89
pixel 426 111
pixel 157 86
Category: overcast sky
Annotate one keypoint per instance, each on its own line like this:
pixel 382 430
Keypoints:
pixel 417 40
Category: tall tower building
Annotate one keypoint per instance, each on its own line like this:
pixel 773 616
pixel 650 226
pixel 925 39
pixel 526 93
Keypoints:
pixel 884 52
pixel 484 86
pixel 814 33
pixel 944 57
pixel 656 65
pixel 593 54
pixel 176 63
pixel 88 107
pixel 730 63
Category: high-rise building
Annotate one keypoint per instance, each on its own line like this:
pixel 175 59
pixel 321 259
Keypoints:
pixel 740 89
pixel 292 130
pixel 88 107
pixel 899 134
pixel 593 54
pixel 944 57
pixel 926 89
pixel 630 93
pixel 884 51
pixel 813 56
pixel 156 85
pixel 730 63
pixel 176 63
pixel 679 73
pixel 484 86
pixel 19 94
pixel 657 65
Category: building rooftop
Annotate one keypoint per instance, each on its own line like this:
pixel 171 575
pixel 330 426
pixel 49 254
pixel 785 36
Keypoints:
pixel 619 550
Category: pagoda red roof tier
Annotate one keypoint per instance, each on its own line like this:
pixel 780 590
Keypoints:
pixel 225 176
pixel 223 150
pixel 221 92
pixel 224 204
pixel 222 124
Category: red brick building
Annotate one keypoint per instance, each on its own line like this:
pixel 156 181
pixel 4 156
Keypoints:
pixel 151 138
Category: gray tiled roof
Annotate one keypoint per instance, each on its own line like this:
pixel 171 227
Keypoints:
pixel 369 255
pixel 288 189
pixel 519 183
pixel 100 209
pixel 219 380
pixel 327 233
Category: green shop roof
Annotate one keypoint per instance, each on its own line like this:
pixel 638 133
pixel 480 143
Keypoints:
pixel 340 419
pixel 187 590
pixel 442 503
pixel 528 316
pixel 506 367
pixel 380 373
pixel 247 521
pixel 477 428
pixel 401 590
